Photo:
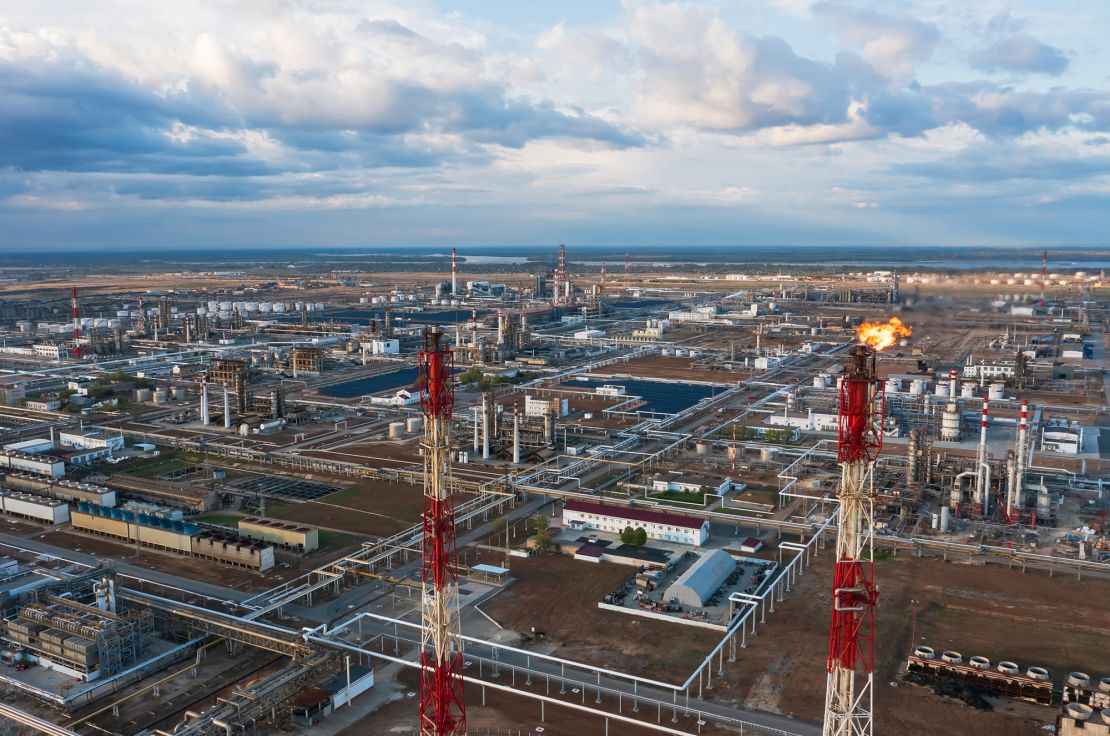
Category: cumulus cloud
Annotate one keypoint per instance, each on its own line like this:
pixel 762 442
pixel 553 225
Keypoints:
pixel 893 44
pixel 1021 53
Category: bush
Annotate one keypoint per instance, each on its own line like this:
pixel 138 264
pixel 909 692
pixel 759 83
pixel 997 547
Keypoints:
pixel 639 536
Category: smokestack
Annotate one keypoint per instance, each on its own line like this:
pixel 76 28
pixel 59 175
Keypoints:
pixel 485 426
pixel 500 328
pixel 952 374
pixel 227 409
pixel 204 404
pixel 1019 471
pixel 76 324
pixel 477 435
pixel 983 476
pixel 454 274
pixel 516 435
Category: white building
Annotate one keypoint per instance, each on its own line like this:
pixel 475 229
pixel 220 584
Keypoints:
pixel 589 334
pixel 690 483
pixel 1063 437
pixel 658 525
pixel 385 347
pixel 32 463
pixel 534 407
pixel 91 441
pixel 45 403
pixel 51 352
pixel 989 370
pixel 404 397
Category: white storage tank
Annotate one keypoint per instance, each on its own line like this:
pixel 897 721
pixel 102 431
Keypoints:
pixel 161 396
pixel 893 385
pixel 917 386
pixel 396 430
pixel 179 393
pixel 941 389
pixel 143 394
pixel 996 391
pixel 967 389
pixel 414 424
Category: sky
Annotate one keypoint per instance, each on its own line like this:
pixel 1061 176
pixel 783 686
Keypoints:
pixel 335 123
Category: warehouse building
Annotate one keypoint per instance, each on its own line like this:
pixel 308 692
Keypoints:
pixel 698 584
pixel 658 524
pixel 67 490
pixel 283 534
pixel 185 538
pixel 32 463
pixel 36 508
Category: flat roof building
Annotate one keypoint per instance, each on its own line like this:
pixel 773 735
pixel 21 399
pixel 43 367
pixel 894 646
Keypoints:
pixel 658 524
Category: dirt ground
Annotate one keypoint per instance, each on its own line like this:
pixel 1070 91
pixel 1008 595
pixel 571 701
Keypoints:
pixel 585 632
pixel 658 366
pixel 503 715
pixel 369 508
pixel 998 613
pixel 193 568
pixel 990 611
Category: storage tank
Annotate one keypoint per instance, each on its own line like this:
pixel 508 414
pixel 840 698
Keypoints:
pixel 917 386
pixel 414 424
pixel 941 389
pixel 143 394
pixel 893 385
pixel 996 392
pixel 396 430
pixel 161 396
pixel 179 393
pixel 967 389
pixel 821 381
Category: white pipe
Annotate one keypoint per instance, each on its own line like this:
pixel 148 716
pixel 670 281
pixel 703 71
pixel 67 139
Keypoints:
pixel 227 409
pixel 516 436
pixel 985 469
pixel 204 404
pixel 980 485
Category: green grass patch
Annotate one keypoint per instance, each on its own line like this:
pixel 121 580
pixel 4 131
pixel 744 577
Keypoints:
pixel 690 497
pixel 337 540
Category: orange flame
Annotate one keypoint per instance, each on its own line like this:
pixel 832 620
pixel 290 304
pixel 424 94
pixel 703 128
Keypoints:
pixel 881 335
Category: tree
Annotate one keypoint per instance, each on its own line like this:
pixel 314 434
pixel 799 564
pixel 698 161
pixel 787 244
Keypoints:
pixel 628 534
pixel 543 539
pixel 639 536
pixel 537 524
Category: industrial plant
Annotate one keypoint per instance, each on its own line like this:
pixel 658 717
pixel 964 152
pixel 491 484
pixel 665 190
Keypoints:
pixel 565 493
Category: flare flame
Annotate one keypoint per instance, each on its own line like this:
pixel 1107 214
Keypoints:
pixel 881 335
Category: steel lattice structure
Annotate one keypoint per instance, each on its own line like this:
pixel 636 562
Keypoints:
pixel 849 696
pixel 442 705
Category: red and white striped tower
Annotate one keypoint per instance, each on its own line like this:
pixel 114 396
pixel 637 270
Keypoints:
pixel 454 274
pixel 982 478
pixel 76 324
pixel 849 697
pixel 442 705
pixel 1013 504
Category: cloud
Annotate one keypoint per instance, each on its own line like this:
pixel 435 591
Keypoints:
pixel 1021 53
pixel 893 44
pixel 699 71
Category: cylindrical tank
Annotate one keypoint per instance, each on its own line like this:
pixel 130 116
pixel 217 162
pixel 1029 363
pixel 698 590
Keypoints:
pixel 143 394
pixel 941 389
pixel 414 424
pixel 701 448
pixel 967 389
pixel 1037 673
pixel 893 385
pixel 917 386
pixel 996 391
pixel 179 393
pixel 396 430
pixel 1078 711
pixel 945 519
pixel 1079 679
pixel 161 396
